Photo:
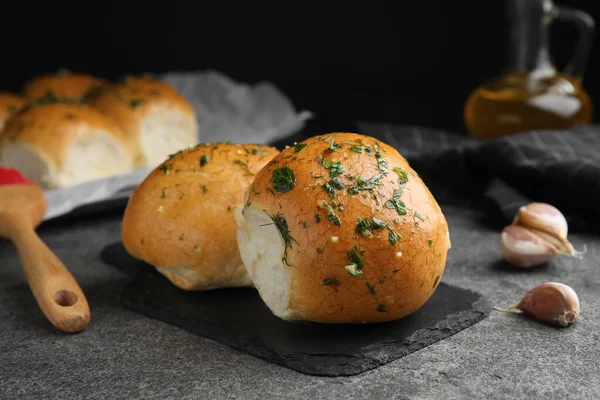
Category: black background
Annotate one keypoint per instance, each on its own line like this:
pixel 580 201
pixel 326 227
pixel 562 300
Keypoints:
pixel 411 62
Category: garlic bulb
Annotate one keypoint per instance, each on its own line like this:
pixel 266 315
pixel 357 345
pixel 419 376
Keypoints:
pixel 551 302
pixel 538 233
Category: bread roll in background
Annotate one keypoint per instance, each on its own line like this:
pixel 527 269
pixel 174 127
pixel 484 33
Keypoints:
pixel 57 145
pixel 180 219
pixel 64 86
pixel 340 229
pixel 155 117
pixel 10 104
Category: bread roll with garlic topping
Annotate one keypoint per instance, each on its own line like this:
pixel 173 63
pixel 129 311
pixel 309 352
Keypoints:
pixel 10 104
pixel 58 145
pixel 340 229
pixel 64 86
pixel 156 118
pixel 180 219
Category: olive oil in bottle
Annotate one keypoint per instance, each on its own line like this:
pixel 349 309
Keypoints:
pixel 531 94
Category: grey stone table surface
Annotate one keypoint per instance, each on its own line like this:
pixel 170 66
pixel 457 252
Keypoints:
pixel 125 355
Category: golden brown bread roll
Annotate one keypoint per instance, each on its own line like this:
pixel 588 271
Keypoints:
pixel 156 118
pixel 181 217
pixel 63 86
pixel 10 104
pixel 57 145
pixel 340 229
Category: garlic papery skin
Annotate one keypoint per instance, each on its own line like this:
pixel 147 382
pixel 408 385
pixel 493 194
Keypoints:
pixel 553 303
pixel 543 217
pixel 523 248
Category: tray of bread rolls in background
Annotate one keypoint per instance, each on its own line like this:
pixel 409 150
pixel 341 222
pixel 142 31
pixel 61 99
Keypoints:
pixel 326 256
pixel 85 140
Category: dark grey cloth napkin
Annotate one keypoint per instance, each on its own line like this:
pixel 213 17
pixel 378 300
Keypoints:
pixel 561 168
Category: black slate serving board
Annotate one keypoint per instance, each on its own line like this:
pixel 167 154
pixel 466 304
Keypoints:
pixel 239 318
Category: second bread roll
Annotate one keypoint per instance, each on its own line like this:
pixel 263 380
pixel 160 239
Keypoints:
pixel 180 219
pixel 58 145
pixel 64 86
pixel 156 118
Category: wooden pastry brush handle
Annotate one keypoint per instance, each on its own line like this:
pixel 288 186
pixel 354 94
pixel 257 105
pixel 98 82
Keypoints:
pixel 56 291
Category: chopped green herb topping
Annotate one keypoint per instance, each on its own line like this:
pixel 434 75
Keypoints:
pixel 204 160
pixel 402 174
pixel 333 185
pixel 174 154
pixel 334 146
pixel 363 226
pixel 355 258
pixel 335 168
pixel 299 147
pixel 204 189
pixel 228 208
pixel 382 280
pixel 437 278
pixel 163 194
pixel 282 226
pixel 418 215
pixel 396 203
pixel 377 223
pixel 381 162
pixel 165 168
pixel 396 270
pixel 357 149
pixel 284 179
pixel 181 237
pixel 135 103
pixel 331 214
pixel 371 288
pixel 304 224
pixel 254 151
pixel 317 218
pixel 91 93
pixel 362 184
pixel 430 243
pixel 353 270
pixel 319 250
pixel 331 282
pixel 244 167
pixel 382 308
pixel 394 237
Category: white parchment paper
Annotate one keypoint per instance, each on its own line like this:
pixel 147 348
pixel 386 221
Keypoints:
pixel 226 110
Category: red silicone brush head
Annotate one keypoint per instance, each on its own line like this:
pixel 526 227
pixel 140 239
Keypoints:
pixel 10 176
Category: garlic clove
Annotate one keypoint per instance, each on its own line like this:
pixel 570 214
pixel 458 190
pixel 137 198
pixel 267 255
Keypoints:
pixel 523 248
pixel 538 232
pixel 551 302
pixel 543 217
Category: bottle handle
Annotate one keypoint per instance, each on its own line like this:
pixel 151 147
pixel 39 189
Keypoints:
pixel 585 27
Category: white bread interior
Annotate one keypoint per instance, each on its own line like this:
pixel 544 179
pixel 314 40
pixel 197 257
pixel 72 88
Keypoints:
pixel 165 131
pixel 261 249
pixel 92 156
